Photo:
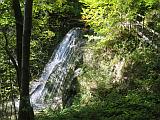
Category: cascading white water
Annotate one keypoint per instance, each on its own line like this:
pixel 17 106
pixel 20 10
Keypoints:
pixel 48 89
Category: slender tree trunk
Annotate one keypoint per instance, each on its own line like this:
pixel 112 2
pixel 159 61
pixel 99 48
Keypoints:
pixel 19 31
pixel 25 109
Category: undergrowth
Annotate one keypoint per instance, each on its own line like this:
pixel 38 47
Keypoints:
pixel 134 96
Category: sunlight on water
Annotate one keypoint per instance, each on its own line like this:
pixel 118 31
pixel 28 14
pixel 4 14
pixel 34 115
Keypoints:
pixel 55 72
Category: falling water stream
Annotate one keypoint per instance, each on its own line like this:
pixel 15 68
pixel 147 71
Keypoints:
pixel 47 90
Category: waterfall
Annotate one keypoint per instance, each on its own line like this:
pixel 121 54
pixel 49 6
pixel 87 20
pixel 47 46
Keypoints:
pixel 47 90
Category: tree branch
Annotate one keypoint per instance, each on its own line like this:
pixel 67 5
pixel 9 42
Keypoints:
pixel 9 53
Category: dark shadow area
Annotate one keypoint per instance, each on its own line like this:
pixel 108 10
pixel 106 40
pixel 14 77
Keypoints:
pixel 66 18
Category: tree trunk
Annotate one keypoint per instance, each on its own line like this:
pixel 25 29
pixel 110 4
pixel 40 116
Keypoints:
pixel 25 109
pixel 19 31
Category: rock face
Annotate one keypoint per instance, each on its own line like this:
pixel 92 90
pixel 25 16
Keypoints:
pixel 49 89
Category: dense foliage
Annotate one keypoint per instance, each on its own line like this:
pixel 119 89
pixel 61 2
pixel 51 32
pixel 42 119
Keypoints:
pixel 121 63
pixel 121 77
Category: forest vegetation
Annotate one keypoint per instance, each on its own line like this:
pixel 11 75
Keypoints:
pixel 121 57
